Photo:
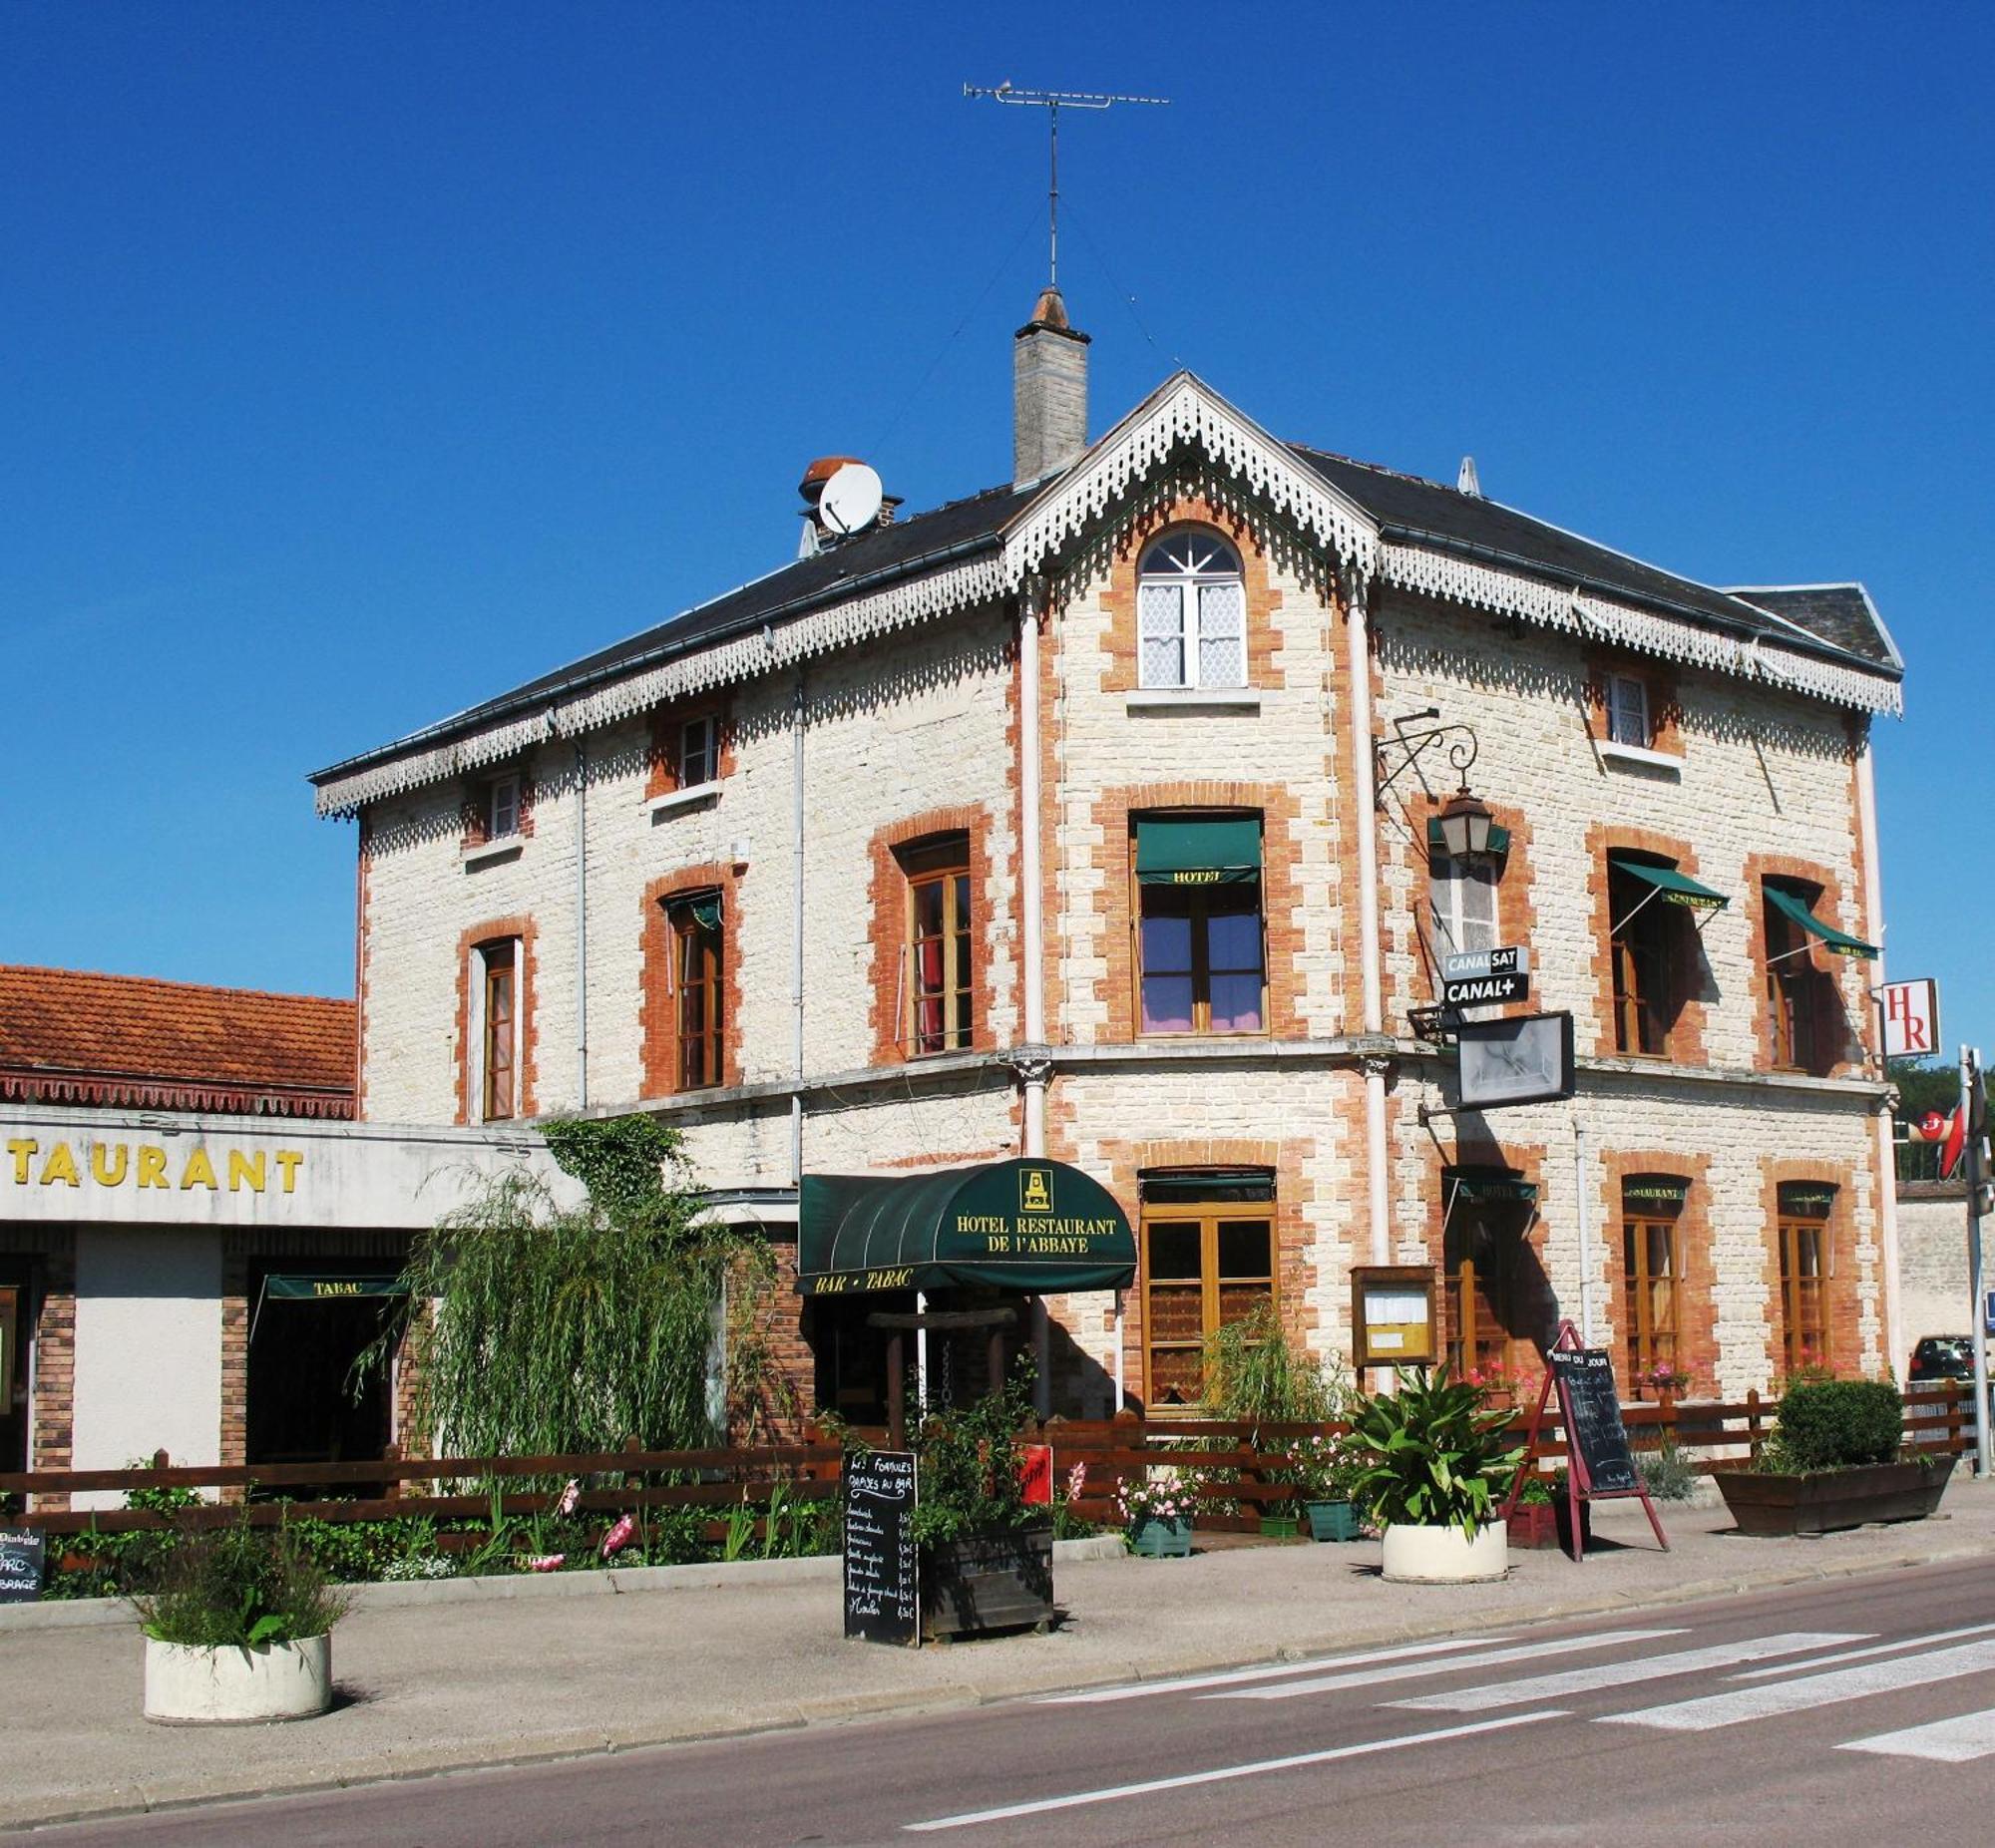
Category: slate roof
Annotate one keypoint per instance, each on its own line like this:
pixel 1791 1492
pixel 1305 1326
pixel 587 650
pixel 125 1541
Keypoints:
pixel 1408 508
pixel 71 1036
pixel 1842 613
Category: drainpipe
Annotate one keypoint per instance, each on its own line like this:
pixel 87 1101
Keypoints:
pixel 1365 799
pixel 581 922
pixel 797 935
pixel 1585 1231
pixel 1033 1068
pixel 1895 1352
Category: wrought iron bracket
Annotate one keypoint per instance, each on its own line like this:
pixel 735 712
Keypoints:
pixel 1457 742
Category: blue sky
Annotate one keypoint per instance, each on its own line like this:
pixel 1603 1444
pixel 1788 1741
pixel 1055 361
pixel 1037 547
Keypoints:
pixel 361 361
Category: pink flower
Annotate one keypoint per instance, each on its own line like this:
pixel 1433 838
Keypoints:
pixel 620 1535
pixel 570 1496
pixel 547 1562
pixel 1075 1478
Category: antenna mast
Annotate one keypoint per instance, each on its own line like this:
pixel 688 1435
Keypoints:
pixel 1053 102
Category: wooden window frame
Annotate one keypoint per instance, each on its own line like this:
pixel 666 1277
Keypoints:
pixel 1635 911
pixel 1797 1325
pixel 499 973
pixel 1618 685
pixel 698 1050
pixel 1795 1000
pixel 1638 1282
pixel 1190 587
pixel 943 861
pixel 705 752
pixel 1449 878
pixel 1199 898
pixel 1207 1215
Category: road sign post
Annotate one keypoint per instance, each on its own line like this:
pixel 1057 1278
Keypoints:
pixel 1975 1116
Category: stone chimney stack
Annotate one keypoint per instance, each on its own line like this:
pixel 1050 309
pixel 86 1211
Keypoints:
pixel 1048 392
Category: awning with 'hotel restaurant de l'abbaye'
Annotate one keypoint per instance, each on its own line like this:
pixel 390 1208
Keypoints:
pixel 1037 1227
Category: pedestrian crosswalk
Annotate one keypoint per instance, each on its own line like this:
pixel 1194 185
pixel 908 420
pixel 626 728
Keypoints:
pixel 1952 1742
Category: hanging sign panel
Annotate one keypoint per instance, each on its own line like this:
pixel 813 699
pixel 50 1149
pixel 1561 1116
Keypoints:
pixel 1911 1018
pixel 1475 965
pixel 1522 1060
pixel 1485 990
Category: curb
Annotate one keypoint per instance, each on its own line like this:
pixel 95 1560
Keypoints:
pixel 958 1696
pixel 713 1576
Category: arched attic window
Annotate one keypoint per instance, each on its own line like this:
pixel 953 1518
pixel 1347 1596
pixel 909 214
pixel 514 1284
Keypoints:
pixel 1193 613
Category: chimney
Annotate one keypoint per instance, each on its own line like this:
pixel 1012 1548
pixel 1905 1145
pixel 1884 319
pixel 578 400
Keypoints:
pixel 1048 392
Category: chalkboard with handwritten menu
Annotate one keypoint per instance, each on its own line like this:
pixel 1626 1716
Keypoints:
pixel 882 1592
pixel 23 1556
pixel 1593 1428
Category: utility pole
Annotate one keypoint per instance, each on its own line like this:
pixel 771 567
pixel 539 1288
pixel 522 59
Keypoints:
pixel 1980 1199
pixel 1053 102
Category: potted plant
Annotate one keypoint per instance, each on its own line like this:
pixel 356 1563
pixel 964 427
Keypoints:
pixel 1835 1459
pixel 1324 1470
pixel 1542 1516
pixel 1157 1513
pixel 987 1553
pixel 1258 1374
pixel 1437 1455
pixel 237 1628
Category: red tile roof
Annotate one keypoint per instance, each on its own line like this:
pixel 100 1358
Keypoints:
pixel 70 1036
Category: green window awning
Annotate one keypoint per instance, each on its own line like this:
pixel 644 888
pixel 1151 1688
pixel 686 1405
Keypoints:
pixel 702 907
pixel 1840 941
pixel 1654 1192
pixel 1676 888
pixel 1489 1190
pixel 1807 1199
pixel 1196 1187
pixel 1033 1226
pixel 1202 851
pixel 330 1286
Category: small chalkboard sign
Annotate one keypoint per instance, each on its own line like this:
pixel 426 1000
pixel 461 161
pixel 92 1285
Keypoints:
pixel 23 1558
pixel 882 1591
pixel 1593 1428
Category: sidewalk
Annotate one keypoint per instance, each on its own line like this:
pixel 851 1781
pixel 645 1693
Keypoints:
pixel 427 1685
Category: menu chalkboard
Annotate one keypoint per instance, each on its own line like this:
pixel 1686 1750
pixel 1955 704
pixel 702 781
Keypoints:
pixel 1593 1428
pixel 881 1596
pixel 23 1555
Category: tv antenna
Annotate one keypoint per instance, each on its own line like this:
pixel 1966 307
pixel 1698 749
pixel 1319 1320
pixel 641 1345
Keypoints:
pixel 1053 102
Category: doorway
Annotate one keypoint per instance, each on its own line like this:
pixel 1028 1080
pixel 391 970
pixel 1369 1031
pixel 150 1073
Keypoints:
pixel 307 1403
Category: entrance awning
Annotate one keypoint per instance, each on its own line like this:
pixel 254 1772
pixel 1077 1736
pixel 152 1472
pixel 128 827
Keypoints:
pixel 1198 851
pixel 1033 1226
pixel 1840 941
pixel 328 1286
pixel 1489 1190
pixel 1676 888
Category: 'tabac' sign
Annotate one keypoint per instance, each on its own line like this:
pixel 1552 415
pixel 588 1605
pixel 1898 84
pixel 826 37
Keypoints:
pixel 1911 1018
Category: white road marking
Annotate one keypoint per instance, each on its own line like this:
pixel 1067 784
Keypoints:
pixel 1227 1676
pixel 1624 1673
pixel 1778 1697
pixel 1952 1742
pixel 1222 1775
pixel 1484 1659
pixel 1881 1648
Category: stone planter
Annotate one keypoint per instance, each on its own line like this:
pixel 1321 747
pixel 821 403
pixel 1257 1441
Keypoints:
pixel 1161 1536
pixel 1771 1505
pixel 1441 1556
pixel 186 1686
pixel 1002 1579
pixel 1333 1521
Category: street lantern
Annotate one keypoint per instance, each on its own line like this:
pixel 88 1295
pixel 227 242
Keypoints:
pixel 1465 825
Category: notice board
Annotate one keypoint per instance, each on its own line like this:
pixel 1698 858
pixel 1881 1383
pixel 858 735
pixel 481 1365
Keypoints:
pixel 1592 1417
pixel 881 1585
pixel 23 1556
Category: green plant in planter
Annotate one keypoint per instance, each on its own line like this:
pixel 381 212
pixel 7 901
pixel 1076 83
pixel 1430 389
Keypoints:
pixel 1834 1425
pixel 1536 1491
pixel 1438 1455
pixel 968 1462
pixel 1254 1371
pixel 237 1587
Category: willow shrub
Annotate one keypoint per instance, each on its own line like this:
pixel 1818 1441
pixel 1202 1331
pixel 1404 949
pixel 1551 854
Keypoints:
pixel 559 1329
pixel 1255 1371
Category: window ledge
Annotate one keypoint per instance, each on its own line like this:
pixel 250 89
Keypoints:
pixel 1640 754
pixel 1194 699
pixel 675 800
pixel 491 853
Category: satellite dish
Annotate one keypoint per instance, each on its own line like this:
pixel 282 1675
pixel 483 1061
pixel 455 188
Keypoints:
pixel 851 499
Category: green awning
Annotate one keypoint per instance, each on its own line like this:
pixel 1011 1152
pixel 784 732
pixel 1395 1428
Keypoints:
pixel 330 1286
pixel 1175 851
pixel 1840 941
pixel 1032 1226
pixel 1485 1189
pixel 1221 1186
pixel 1807 1199
pixel 704 905
pixel 1676 887
pixel 1654 1191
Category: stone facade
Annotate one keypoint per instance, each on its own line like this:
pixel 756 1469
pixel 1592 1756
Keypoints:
pixel 922 734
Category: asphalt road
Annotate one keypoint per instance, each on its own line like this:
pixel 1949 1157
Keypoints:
pixel 1851 1711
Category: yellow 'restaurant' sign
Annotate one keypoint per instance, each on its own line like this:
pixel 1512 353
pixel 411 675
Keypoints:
pixel 31 1162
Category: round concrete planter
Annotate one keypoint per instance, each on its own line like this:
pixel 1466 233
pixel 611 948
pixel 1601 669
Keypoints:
pixel 1441 1556
pixel 222 1686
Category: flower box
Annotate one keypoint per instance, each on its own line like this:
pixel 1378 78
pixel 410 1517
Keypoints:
pixel 1541 1526
pixel 1157 1536
pixel 1824 1501
pixel 1333 1521
pixel 1279 1526
pixel 1000 1579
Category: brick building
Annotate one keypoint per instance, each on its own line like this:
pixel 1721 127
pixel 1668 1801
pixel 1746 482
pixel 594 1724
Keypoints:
pixel 195 1237
pixel 1097 818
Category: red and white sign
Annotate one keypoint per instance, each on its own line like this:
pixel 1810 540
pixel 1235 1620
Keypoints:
pixel 1911 1018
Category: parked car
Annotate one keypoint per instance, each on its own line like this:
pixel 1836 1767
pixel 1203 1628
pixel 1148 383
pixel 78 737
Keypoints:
pixel 1943 1356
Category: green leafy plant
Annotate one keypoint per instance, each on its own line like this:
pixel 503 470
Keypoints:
pixel 574 1328
pixel 1668 1474
pixel 1438 1454
pixel 237 1588
pixel 1827 1424
pixel 1324 1468
pixel 740 1530
pixel 1535 1490
pixel 1254 1370
pixel 967 1464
